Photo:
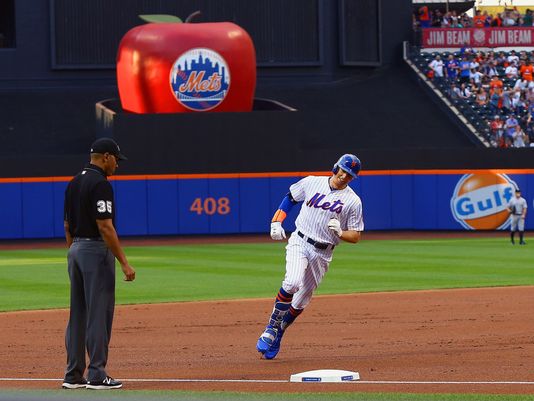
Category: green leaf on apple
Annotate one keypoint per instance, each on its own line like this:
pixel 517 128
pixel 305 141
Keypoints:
pixel 160 18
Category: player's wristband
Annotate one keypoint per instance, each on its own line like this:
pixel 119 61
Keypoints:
pixel 287 203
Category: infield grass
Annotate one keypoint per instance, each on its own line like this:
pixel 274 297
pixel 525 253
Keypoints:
pixel 37 279
pixel 134 395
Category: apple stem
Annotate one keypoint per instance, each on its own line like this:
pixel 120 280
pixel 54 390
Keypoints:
pixel 192 16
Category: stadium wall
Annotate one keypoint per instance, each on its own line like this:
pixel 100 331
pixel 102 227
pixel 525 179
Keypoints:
pixel 244 203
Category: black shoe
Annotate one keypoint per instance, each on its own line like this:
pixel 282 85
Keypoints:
pixel 107 384
pixel 513 242
pixel 522 243
pixel 72 385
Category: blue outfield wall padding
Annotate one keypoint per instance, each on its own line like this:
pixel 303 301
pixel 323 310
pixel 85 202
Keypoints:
pixel 191 196
pixel 11 210
pixel 162 201
pixel 255 209
pixel 222 206
pixel 445 190
pixel 38 210
pixel 402 194
pixel 393 201
pixel 59 200
pixel 131 207
pixel 425 199
pixel 376 200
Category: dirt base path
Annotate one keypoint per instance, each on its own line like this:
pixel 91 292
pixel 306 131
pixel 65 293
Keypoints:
pixel 478 335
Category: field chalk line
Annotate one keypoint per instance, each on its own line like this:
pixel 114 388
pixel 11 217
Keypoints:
pixel 27 379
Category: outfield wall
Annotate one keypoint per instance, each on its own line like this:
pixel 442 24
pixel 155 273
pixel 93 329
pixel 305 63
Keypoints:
pixel 244 203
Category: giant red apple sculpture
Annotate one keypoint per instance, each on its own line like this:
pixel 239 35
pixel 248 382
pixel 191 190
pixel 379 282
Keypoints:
pixel 175 67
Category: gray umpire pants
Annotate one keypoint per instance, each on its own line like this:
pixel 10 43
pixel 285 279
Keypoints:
pixel 91 268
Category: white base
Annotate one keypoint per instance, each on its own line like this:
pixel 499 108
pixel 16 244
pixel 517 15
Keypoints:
pixel 325 376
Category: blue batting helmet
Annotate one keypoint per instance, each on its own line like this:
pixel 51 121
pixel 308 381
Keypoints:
pixel 348 163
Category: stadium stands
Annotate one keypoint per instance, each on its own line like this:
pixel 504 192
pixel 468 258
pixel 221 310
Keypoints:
pixel 512 96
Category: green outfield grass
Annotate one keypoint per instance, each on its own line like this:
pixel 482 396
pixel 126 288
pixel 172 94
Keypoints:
pixel 37 279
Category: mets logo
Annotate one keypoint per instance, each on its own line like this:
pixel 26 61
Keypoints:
pixel 200 79
pixel 480 201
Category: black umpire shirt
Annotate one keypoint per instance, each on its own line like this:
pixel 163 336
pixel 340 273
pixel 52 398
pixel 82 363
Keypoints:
pixel 88 197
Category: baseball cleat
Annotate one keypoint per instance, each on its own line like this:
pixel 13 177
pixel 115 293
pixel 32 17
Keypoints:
pixel 82 383
pixel 267 339
pixel 275 348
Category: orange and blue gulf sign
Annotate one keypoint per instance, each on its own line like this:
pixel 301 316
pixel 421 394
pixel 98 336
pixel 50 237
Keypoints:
pixel 479 201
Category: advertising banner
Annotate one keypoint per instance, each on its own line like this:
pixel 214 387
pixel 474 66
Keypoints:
pixel 477 37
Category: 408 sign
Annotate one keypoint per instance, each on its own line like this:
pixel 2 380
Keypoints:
pixel 210 206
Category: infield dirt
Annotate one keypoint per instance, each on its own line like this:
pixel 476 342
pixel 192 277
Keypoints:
pixel 446 335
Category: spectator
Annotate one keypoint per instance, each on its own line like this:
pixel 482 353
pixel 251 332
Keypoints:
pixel 466 50
pixel 528 124
pixel 509 126
pixel 424 17
pixel 465 21
pixel 465 93
pixel 489 70
pixel 517 103
pixel 437 18
pixel 495 101
pixel 454 91
pixel 474 63
pixel 497 21
pixel 496 128
pixel 487 19
pixel 521 84
pixel 501 59
pixel 495 83
pixel 476 77
pixel 451 68
pixel 464 70
pixel 482 97
pixel 527 71
pixel 527 19
pixel 511 72
pixel 437 66
pixel 479 20
pixel 513 57
pixel 485 84
pixel 506 102
pixel 519 138
pixel 508 19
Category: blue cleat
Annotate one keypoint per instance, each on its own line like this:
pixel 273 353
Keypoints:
pixel 267 339
pixel 275 348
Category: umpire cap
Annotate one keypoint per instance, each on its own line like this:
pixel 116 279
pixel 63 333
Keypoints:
pixel 107 145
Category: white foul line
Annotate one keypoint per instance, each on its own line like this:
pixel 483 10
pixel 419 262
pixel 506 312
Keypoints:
pixel 22 379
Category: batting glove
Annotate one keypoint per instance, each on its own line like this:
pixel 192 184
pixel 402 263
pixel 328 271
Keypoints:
pixel 335 226
pixel 277 231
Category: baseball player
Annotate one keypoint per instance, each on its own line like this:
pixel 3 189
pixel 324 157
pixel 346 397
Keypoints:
pixel 331 212
pixel 518 211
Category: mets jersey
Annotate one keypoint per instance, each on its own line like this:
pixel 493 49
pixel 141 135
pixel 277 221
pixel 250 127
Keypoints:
pixel 322 203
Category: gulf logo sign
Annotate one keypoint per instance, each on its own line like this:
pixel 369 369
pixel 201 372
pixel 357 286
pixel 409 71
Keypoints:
pixel 479 201
pixel 200 79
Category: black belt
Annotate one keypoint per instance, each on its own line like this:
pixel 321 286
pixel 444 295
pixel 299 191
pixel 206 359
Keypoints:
pixel 318 245
pixel 78 239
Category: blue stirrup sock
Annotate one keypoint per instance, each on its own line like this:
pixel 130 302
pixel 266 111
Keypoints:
pixel 290 317
pixel 281 306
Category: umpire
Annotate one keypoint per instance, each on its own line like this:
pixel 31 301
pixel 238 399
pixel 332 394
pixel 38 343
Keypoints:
pixel 93 246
